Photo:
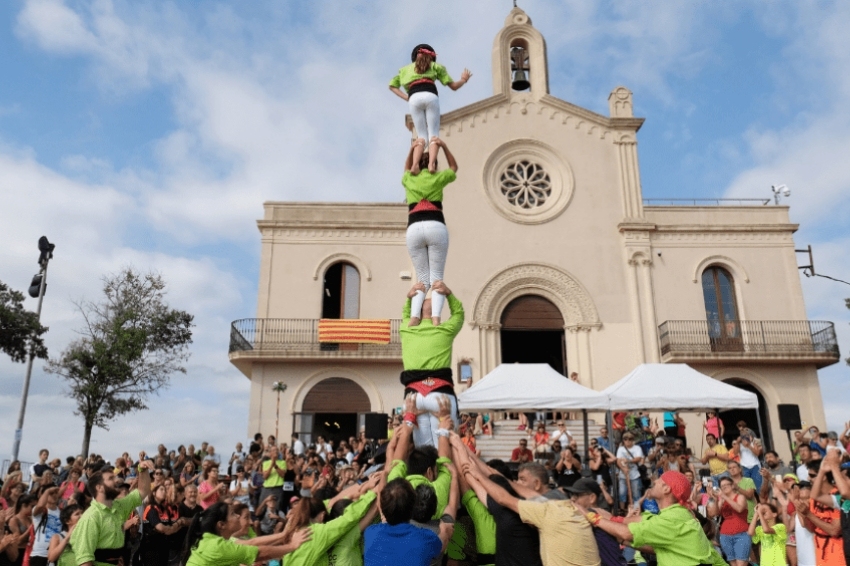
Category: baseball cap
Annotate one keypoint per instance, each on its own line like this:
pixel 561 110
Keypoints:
pixel 585 485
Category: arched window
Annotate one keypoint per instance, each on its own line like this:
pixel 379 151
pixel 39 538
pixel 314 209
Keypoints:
pixel 341 292
pixel 721 309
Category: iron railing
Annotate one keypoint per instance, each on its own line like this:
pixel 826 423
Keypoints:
pixel 748 336
pixel 706 201
pixel 301 336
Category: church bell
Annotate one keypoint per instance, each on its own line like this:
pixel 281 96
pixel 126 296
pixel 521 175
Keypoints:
pixel 519 66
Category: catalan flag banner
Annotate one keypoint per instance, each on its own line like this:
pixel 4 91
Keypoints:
pixel 354 331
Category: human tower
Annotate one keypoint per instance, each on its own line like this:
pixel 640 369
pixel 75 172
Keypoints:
pixel 426 341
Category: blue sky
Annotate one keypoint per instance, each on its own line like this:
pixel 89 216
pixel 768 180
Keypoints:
pixel 149 133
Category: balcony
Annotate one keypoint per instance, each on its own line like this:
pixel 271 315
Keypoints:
pixel 297 339
pixel 758 341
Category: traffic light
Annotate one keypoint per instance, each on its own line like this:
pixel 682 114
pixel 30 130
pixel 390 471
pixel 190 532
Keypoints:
pixel 35 286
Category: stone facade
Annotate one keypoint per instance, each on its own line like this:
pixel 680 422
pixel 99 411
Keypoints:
pixel 547 202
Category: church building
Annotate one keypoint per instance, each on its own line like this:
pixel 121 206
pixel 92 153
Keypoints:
pixel 556 257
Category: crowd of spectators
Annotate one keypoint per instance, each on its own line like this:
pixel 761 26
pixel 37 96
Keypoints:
pixel 638 496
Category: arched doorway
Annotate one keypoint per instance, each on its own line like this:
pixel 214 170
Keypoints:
pixel 333 408
pixel 732 416
pixel 533 332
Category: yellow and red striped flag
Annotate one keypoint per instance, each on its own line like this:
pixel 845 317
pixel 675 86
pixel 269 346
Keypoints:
pixel 354 331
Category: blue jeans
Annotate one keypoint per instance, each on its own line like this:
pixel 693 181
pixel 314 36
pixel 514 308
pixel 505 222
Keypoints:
pixel 716 479
pixel 736 547
pixel 753 474
pixel 637 489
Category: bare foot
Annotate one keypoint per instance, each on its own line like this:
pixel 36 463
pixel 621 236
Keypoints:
pixel 432 168
pixel 414 321
pixel 414 169
pixel 435 320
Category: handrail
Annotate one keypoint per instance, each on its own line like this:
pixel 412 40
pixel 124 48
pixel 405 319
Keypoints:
pixel 706 201
pixel 286 333
pixel 758 336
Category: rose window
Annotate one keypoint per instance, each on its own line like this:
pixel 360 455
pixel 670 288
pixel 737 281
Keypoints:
pixel 526 185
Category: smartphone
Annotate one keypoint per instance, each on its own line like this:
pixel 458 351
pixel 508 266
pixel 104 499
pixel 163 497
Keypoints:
pixel 706 482
pixel 778 477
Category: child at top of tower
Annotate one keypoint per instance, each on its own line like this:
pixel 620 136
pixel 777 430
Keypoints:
pixel 419 80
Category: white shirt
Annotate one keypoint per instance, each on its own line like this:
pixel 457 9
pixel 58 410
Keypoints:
pixel 563 437
pixel 748 458
pixel 240 458
pixel 630 454
pixel 805 544
pixel 297 447
pixel 52 526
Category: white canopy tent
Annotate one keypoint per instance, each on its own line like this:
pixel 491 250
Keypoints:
pixel 521 387
pixel 674 387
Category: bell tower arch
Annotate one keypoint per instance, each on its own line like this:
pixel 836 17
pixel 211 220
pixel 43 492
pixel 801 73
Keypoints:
pixel 519 51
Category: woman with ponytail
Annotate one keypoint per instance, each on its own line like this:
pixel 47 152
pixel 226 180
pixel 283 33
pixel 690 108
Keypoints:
pixel 419 80
pixel 208 541
pixel 311 512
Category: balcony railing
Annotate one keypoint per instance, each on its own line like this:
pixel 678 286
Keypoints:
pixel 299 338
pixel 706 201
pixel 756 340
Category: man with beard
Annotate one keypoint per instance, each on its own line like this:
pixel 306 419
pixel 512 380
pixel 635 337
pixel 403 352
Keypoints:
pixel 98 538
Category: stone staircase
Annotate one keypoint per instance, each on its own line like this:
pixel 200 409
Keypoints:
pixel 506 437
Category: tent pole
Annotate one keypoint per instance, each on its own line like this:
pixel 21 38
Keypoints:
pixel 586 439
pixel 761 431
pixel 612 480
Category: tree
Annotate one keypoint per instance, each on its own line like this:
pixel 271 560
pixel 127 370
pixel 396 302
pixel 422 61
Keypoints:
pixel 20 331
pixel 130 345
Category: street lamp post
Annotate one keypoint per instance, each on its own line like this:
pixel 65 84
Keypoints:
pixel 278 387
pixel 39 282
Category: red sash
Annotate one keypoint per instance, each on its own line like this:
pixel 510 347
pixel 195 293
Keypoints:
pixel 428 385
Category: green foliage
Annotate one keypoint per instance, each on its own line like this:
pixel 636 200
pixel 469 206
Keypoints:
pixel 131 344
pixel 20 331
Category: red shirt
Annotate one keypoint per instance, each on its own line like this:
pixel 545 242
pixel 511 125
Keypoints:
pixel 523 454
pixel 734 522
pixel 619 420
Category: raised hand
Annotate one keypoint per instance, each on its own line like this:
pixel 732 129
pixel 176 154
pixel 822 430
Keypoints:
pixel 465 75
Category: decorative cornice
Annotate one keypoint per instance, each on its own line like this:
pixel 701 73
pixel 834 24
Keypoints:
pixel 549 106
pixel 334 234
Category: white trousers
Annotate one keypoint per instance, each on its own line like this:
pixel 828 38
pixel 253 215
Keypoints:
pixel 425 111
pixel 428 245
pixel 428 423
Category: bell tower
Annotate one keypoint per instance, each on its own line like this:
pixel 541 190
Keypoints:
pixel 519 58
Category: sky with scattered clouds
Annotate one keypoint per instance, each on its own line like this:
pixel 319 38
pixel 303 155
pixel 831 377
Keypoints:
pixel 149 133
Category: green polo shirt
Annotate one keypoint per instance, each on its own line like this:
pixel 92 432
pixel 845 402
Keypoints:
pixel 485 524
pixel 442 484
pixel 426 185
pixel 212 550
pixel 677 538
pixel 408 74
pixel 102 527
pixel 274 479
pixel 314 552
pixel 426 346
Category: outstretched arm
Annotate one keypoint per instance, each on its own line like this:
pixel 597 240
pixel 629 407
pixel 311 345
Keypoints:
pixel 497 492
pixel 464 78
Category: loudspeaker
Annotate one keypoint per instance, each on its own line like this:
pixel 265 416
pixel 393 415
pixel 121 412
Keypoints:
pixel 376 426
pixel 789 417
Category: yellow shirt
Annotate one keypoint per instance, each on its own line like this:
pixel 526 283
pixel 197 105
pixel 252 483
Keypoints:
pixel 274 479
pixel 566 538
pixel 715 465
